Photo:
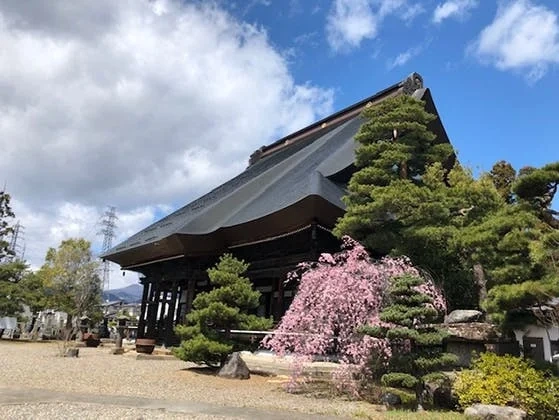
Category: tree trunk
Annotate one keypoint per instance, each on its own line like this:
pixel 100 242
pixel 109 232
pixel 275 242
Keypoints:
pixel 419 395
pixel 481 283
pixel 404 170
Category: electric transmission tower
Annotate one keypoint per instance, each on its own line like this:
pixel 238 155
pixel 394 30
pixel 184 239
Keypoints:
pixel 17 238
pixel 108 228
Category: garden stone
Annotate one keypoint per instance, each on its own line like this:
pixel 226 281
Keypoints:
pixel 234 368
pixel 463 315
pixel 73 352
pixel 390 399
pixel 440 393
pixel 494 412
pixel 444 398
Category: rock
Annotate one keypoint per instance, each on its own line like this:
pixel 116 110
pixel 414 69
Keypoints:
pixel 463 315
pixel 390 399
pixel 444 398
pixel 440 393
pixel 73 352
pixel 234 368
pixel 91 340
pixel 494 412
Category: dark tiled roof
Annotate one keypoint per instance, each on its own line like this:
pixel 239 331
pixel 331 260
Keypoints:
pixel 300 165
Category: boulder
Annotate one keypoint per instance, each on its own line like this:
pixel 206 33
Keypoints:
pixel 391 400
pixel 463 315
pixel 234 368
pixel 443 397
pixel 439 392
pixel 494 412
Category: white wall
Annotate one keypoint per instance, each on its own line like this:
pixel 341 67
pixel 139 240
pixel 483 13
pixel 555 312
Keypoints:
pixel 539 332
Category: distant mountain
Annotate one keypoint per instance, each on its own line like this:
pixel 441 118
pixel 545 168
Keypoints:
pixel 128 294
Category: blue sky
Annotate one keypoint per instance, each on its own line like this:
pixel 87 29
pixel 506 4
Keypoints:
pixel 147 105
pixel 490 113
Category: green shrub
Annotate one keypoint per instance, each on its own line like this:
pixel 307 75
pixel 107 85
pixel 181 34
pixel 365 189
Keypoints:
pixel 547 367
pixel 511 381
pixel 206 337
pixel 399 380
pixel 408 397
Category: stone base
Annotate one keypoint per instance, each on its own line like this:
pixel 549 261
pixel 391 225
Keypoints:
pixel 116 350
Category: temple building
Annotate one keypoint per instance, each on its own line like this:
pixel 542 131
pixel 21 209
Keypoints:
pixel 277 213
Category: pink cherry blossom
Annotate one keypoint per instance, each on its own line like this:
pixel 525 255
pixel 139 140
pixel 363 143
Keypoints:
pixel 337 295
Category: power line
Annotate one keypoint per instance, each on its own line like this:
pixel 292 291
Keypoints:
pixel 108 224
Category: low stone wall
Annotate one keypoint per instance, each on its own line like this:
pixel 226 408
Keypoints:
pixel 272 365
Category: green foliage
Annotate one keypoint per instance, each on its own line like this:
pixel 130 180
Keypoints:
pixel 200 348
pixel 6 229
pixel 508 380
pixel 416 346
pixel 206 337
pixel 18 285
pixel 11 293
pixel 506 297
pixel 503 176
pixel 409 399
pixel 538 188
pixel 71 281
pixel 416 207
pixel 382 161
pixel 471 235
pixel 399 380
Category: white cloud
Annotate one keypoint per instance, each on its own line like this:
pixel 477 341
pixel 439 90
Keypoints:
pixel 402 58
pixel 523 37
pixel 453 8
pixel 350 22
pixel 132 103
pixel 409 13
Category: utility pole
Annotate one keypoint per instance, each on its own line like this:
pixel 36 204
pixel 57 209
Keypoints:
pixel 108 223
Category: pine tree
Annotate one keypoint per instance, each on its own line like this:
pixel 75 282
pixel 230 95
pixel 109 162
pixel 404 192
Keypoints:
pixel 523 259
pixel 538 188
pixel 207 333
pixel 407 318
pixel 395 146
pixel 503 176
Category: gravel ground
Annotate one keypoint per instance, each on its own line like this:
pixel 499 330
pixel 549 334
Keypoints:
pixel 50 411
pixel 95 371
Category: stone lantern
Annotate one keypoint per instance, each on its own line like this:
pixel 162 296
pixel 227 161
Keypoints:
pixel 122 323
pixel 83 327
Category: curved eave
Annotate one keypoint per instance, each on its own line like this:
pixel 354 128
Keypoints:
pixel 311 209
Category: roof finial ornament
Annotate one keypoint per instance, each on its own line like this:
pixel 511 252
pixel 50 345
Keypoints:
pixel 413 82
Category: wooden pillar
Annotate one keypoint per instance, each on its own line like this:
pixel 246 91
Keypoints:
pixel 190 289
pixel 142 321
pixel 178 312
pixel 152 308
pixel 169 333
pixel 314 242
pixel 161 302
pixel 278 312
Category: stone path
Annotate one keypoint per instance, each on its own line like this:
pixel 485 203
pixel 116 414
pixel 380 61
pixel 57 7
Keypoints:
pixel 26 396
